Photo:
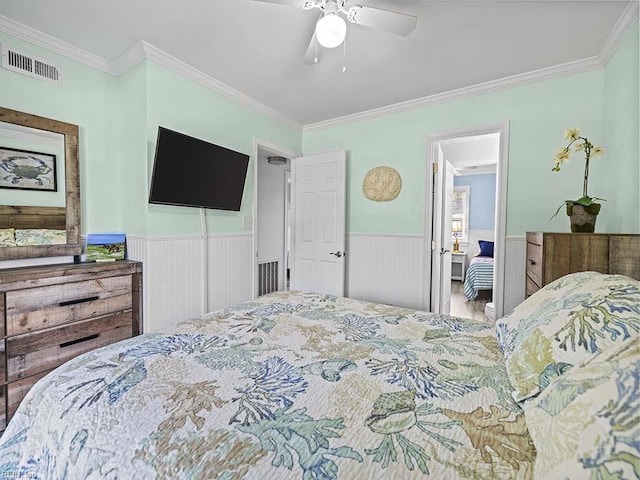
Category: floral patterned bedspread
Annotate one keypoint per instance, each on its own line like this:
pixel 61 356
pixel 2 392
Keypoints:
pixel 293 385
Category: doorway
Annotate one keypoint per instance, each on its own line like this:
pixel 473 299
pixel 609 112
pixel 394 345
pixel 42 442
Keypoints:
pixel 477 160
pixel 272 217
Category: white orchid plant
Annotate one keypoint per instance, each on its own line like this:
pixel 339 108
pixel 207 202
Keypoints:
pixel 580 144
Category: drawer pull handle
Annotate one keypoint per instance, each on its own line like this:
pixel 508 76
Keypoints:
pixel 532 262
pixel 79 300
pixel 79 340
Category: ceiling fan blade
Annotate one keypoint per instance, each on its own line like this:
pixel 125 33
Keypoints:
pixel 305 4
pixel 314 51
pixel 393 22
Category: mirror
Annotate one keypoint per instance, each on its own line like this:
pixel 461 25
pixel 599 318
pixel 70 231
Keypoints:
pixel 30 174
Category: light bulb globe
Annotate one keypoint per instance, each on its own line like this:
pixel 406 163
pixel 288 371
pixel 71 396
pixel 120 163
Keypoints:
pixel 331 30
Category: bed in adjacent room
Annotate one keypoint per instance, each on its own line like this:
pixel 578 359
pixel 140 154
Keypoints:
pixel 307 386
pixel 479 276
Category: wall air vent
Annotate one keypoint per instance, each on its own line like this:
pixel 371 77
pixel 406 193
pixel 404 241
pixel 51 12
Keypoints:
pixel 28 65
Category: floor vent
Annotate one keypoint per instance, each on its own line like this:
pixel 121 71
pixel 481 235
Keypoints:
pixel 267 277
pixel 28 65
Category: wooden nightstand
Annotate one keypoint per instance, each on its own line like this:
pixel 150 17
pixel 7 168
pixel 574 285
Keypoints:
pixel 458 265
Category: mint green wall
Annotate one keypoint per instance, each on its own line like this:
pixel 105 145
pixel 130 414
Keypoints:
pixel 538 114
pixel 187 107
pixel 118 120
pixel 131 101
pixel 620 168
pixel 84 99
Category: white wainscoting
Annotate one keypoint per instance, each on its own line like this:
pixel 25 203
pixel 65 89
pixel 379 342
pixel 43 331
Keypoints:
pixel 230 270
pixel 388 269
pixel 385 269
pixel 380 268
pixel 173 275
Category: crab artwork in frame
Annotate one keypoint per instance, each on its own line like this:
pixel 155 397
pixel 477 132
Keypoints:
pixel 27 170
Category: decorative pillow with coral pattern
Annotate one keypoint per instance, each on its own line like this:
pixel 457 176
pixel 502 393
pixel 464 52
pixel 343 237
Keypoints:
pixel 7 237
pixel 586 423
pixel 566 323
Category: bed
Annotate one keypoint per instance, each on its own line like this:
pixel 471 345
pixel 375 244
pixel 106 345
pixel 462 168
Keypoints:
pixel 479 276
pixel 307 386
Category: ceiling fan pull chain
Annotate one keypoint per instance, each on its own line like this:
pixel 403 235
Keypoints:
pixel 344 55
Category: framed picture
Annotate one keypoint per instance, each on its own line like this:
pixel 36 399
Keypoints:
pixel 460 211
pixel 27 170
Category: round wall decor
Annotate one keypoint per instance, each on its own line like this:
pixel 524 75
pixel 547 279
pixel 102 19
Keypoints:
pixel 381 184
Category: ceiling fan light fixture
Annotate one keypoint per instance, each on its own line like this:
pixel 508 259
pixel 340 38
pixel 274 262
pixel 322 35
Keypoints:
pixel 331 30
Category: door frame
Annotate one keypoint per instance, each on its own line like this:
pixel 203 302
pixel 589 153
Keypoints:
pixel 500 215
pixel 277 149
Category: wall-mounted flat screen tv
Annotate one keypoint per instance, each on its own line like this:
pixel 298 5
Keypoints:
pixel 191 172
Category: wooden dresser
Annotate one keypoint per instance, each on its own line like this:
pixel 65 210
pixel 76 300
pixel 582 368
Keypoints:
pixel 53 313
pixel 553 255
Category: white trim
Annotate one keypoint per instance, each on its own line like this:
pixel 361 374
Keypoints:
pixel 142 50
pixel 501 208
pixel 628 18
pixel 384 235
pixel 548 73
pixel 128 60
pixel 181 68
pixel 285 152
pixel 40 39
pixel 171 238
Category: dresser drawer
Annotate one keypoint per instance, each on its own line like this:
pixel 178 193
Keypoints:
pixel 3 405
pixel 44 350
pixel 532 286
pixel 534 262
pixel 32 309
pixel 17 390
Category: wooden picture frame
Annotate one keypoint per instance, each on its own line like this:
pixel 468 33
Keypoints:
pixel 27 170
pixel 57 218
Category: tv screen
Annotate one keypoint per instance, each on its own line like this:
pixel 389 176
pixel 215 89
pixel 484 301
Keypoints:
pixel 194 173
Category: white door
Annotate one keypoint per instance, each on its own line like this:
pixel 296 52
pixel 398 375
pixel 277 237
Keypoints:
pixel 318 184
pixel 442 236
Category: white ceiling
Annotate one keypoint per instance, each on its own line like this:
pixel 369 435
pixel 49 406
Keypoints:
pixel 473 155
pixel 257 48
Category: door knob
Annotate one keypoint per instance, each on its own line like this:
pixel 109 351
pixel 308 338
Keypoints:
pixel 337 254
pixel 443 251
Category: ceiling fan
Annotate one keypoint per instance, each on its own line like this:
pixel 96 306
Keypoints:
pixel 331 28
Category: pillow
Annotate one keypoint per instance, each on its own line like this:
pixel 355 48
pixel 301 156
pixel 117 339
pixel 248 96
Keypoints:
pixel 565 323
pixel 37 236
pixel 486 248
pixel 586 424
pixel 7 237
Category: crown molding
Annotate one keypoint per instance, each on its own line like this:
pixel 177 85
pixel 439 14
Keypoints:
pixel 128 60
pixel 36 37
pixel 627 20
pixel 136 54
pixel 548 73
pixel 181 68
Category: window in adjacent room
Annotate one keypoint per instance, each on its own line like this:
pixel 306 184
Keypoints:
pixel 460 211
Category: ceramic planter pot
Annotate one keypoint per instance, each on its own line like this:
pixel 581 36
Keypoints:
pixel 583 219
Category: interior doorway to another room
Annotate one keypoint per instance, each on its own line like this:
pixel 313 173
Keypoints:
pixel 273 218
pixel 476 211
